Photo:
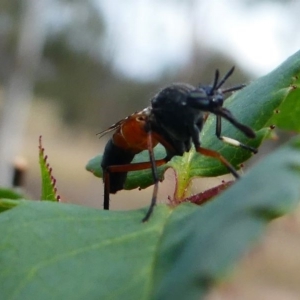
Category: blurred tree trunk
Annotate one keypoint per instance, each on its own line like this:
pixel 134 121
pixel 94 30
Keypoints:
pixel 19 90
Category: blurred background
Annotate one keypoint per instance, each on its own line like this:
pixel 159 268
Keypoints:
pixel 71 68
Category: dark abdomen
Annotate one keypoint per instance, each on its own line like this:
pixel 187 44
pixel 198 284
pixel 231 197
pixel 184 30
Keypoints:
pixel 114 155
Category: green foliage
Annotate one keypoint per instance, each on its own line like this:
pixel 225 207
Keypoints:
pixel 287 116
pixel 60 251
pixel 72 252
pixel 9 194
pixel 49 190
pixel 10 198
pixel 7 203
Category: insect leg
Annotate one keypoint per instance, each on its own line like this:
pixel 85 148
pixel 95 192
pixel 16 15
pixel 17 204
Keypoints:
pixel 106 179
pixel 231 141
pixel 218 156
pixel 129 168
pixel 154 174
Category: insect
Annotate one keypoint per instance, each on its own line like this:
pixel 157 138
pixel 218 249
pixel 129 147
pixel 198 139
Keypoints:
pixel 174 119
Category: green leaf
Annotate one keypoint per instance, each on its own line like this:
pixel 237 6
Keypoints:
pixel 6 204
pixel 256 106
pixel 10 194
pixel 212 238
pixel 72 252
pixel 287 116
pixel 9 199
pixel 49 190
